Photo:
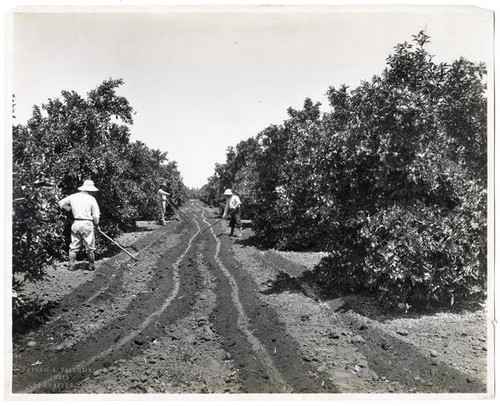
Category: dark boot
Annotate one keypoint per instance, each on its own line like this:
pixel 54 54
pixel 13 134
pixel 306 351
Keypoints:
pixel 72 261
pixel 239 233
pixel 232 232
pixel 91 261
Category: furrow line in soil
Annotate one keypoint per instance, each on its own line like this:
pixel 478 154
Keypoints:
pixel 126 286
pixel 399 360
pixel 131 284
pixel 387 355
pixel 186 358
pixel 108 275
pixel 82 365
pixel 268 326
pixel 133 361
pixel 243 322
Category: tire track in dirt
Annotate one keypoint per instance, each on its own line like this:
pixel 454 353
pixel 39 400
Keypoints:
pixel 152 313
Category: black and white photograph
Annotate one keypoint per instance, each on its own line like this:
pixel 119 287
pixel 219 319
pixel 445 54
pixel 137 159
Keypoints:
pixel 245 201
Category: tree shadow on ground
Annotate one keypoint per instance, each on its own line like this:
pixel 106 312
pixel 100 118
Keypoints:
pixel 364 303
pixel 29 315
pixel 311 283
pixel 282 283
pixel 142 229
pixel 250 241
pixel 30 312
pixel 108 252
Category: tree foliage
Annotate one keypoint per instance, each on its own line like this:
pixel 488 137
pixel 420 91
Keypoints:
pixel 66 141
pixel 391 180
pixel 233 174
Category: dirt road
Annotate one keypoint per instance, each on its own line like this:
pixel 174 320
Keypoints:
pixel 204 313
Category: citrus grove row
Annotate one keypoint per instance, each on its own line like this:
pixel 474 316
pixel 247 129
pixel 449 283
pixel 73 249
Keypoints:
pixel 390 181
pixel 66 141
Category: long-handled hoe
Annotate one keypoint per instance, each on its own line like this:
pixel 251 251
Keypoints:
pixel 177 211
pixel 217 222
pixel 118 245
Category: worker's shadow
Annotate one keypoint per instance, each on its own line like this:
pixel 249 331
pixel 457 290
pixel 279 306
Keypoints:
pixel 82 261
pixel 250 241
pixel 81 265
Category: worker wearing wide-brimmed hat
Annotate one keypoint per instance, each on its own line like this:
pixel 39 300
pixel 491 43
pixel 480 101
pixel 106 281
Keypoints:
pixel 86 215
pixel 233 209
pixel 162 196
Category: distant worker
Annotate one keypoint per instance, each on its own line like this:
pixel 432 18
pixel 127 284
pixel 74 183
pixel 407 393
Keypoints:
pixel 233 211
pixel 86 215
pixel 162 196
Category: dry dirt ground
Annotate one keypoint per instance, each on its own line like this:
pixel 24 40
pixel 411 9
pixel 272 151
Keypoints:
pixel 200 312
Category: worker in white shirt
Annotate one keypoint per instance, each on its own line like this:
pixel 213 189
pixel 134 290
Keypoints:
pixel 233 211
pixel 86 215
pixel 162 196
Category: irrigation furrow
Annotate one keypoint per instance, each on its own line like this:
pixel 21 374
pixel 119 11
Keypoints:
pixel 109 283
pixel 244 322
pixel 133 287
pixel 133 334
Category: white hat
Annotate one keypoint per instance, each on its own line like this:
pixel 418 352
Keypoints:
pixel 228 192
pixel 88 186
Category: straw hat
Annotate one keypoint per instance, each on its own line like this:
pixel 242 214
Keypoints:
pixel 88 186
pixel 228 192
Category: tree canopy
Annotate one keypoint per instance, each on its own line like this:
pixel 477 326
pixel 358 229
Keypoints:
pixel 391 180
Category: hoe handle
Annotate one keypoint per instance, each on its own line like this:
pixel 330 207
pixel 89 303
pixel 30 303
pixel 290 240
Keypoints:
pixel 118 245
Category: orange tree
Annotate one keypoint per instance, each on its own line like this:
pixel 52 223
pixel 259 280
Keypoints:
pixel 391 181
pixel 146 170
pixel 69 140
pixel 408 185
pixel 234 174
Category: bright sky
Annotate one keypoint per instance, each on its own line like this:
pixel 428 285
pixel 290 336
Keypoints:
pixel 204 79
